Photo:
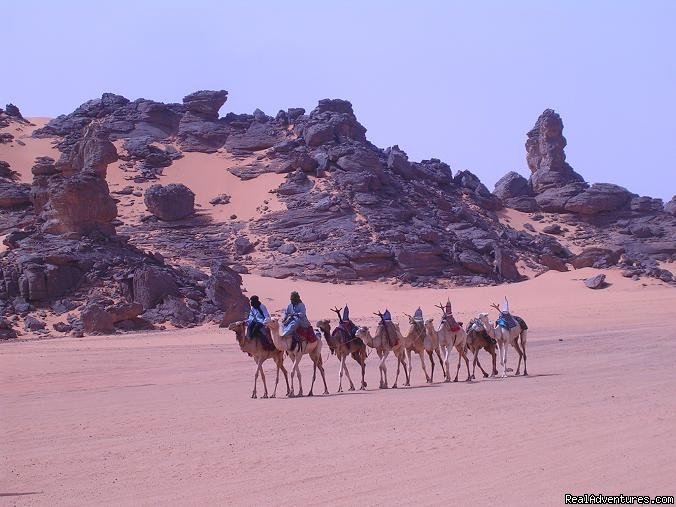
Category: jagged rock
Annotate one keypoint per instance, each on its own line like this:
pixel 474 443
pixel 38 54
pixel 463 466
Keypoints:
pixel 223 289
pixel 243 246
pixel 397 161
pixel 150 285
pixel 13 111
pixel 597 198
pixel 287 248
pixel 220 199
pixel 33 324
pixel 36 279
pixel 545 154
pixel 44 166
pixel 91 154
pixel 553 262
pixel 332 120
pixel 505 265
pixel 171 202
pixel 62 327
pixel 670 207
pixel 296 183
pixel 554 200
pixel 199 128
pixel 78 204
pixel 645 204
pixel 6 172
pixel 512 185
pixel 596 258
pixel 525 204
pixel 596 282
pixel 7 332
pixel 474 262
pixel 13 195
pixel 259 136
pixel 99 319
pixel 552 229
pixel 6 138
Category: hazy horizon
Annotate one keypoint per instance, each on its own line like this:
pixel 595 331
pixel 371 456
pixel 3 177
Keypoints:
pixel 460 82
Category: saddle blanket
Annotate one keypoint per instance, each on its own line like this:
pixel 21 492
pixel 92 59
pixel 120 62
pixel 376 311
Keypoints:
pixel 307 333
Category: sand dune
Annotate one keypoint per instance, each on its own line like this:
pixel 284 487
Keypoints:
pixel 166 417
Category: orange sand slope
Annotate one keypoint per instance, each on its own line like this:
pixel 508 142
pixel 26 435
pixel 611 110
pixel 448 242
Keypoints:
pixel 166 418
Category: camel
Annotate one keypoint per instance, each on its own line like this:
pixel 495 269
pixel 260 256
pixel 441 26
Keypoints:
pixel 314 350
pixel 451 335
pixel 387 339
pixel 418 340
pixel 343 345
pixel 257 349
pixel 478 337
pixel 516 337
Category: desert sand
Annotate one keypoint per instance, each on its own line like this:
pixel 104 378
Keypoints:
pixel 166 417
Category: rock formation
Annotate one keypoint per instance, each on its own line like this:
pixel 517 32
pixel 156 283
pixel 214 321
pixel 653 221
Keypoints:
pixel 171 202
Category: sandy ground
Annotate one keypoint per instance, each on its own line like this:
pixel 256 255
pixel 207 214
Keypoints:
pixel 21 156
pixel 166 418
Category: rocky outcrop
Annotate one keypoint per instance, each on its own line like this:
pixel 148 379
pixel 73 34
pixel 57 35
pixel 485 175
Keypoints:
pixel 72 196
pixel 150 285
pixel 545 154
pixel 331 120
pixel 514 191
pixel 199 128
pixel 171 202
pixel 223 288
pixel 670 207
pixel 102 317
pixel 596 258
pixel 13 195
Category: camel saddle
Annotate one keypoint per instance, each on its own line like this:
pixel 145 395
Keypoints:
pixel 307 334
pixel 452 324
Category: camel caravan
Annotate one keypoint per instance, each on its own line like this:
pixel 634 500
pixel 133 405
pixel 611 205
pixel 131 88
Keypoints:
pixel 264 337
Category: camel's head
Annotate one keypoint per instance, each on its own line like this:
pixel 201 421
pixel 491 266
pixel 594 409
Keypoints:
pixel 238 327
pixel 324 325
pixel 272 324
pixel 363 333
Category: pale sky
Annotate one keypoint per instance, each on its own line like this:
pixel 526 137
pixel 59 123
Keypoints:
pixel 460 81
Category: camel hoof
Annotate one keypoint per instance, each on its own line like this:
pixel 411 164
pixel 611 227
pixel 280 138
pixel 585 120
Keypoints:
pixel 340 390
pixel 326 392
pixel 455 379
pixel 273 396
pixel 265 396
pixel 510 369
pixel 395 386
pixel 253 396
pixel 525 374
pixel 485 375
pixel 352 388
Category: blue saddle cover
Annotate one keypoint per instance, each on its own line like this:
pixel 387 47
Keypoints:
pixel 506 320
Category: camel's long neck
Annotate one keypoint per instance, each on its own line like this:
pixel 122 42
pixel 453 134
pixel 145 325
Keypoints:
pixel 279 342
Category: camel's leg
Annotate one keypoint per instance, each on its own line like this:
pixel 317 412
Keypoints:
pixel 430 354
pixel 464 355
pixel 362 363
pixel 443 370
pixel 340 374
pixel 383 371
pixel 447 358
pixel 347 372
pixel 396 379
pixel 476 361
pixel 524 335
pixel 296 363
pixel 280 366
pixel 503 358
pixel 258 368
pixel 518 351
pixel 410 363
pixel 422 361
pixel 494 357
pixel 265 387
pixel 457 370
pixel 318 364
pixel 314 376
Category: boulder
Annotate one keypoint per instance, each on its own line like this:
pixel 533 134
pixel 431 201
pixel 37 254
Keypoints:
pixel 223 289
pixel 553 262
pixel 199 128
pixel 474 262
pixel 171 202
pixel 554 200
pixel 243 246
pixel 670 207
pixel 33 324
pixel 99 318
pixel 552 229
pixel 596 282
pixel 512 185
pixel 596 258
pixel 150 285
pixel 597 198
